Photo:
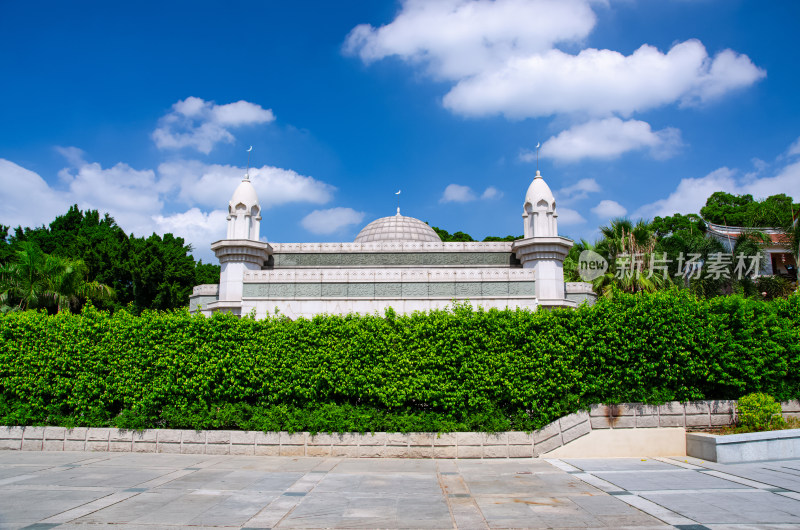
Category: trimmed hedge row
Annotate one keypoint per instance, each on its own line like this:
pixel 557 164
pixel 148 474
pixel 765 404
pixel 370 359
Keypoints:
pixel 461 369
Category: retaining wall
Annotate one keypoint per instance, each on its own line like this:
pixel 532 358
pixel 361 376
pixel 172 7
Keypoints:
pixel 748 447
pixel 691 415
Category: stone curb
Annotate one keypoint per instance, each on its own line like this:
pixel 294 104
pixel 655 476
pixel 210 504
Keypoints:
pixel 464 445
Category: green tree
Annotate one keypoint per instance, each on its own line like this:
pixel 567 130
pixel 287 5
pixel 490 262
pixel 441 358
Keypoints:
pixel 629 249
pixel 206 273
pixel 33 279
pixel 792 244
pixel 113 258
pixel 509 239
pixel 5 247
pixel 571 271
pixel 776 211
pixel 97 240
pixel 674 224
pixel 23 280
pixel 446 236
pixel 725 208
pixel 162 271
pixel 460 237
pixel 68 282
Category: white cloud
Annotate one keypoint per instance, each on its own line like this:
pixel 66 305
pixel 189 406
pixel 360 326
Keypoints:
pixel 458 193
pixel 199 124
pixel 527 155
pixel 331 220
pixel 240 113
pixel 491 193
pixel 136 198
pixel 794 149
pixel 607 209
pixel 27 199
pixel 569 217
pixel 691 193
pixel 506 57
pixel 73 155
pixel 599 82
pixel 207 184
pixel 196 227
pixel 610 138
pixel 460 38
pixel 787 181
pixel 578 191
pixel 130 195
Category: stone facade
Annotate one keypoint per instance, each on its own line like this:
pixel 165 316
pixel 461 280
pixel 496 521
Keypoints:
pixel 396 262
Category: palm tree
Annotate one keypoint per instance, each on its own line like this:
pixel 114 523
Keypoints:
pixel 571 272
pixel 22 278
pixel 630 250
pixel 33 279
pixel 68 282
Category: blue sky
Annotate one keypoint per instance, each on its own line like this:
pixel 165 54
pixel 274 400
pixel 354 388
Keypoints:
pixel 145 110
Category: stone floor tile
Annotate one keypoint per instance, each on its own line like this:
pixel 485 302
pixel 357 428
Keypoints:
pixel 665 480
pixel 133 491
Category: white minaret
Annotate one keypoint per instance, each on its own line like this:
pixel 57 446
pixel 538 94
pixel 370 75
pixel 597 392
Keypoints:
pixel 543 249
pixel 244 212
pixel 539 211
pixel 240 251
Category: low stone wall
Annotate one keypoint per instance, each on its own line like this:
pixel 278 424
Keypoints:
pixel 691 415
pixel 377 445
pixel 580 292
pixel 748 447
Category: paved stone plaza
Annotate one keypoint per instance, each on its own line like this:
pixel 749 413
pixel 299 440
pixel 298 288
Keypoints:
pixel 92 490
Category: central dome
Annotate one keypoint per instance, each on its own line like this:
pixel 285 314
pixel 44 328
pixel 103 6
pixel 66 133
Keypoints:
pixel 397 228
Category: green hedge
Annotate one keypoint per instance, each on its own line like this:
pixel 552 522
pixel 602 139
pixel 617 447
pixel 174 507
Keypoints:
pixel 440 371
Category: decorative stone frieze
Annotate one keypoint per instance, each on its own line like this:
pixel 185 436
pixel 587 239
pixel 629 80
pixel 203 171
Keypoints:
pixel 391 246
pixel 370 290
pixel 409 275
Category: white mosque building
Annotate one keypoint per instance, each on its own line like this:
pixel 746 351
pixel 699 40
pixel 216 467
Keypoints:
pixel 395 261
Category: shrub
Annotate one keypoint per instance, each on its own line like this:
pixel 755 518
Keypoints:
pixel 774 287
pixel 760 412
pixel 454 370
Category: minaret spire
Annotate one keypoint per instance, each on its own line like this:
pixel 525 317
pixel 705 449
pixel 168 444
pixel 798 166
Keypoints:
pixel 247 171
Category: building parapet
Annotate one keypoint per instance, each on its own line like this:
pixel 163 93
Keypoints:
pixel 579 288
pixel 392 246
pixel 207 289
pixel 495 274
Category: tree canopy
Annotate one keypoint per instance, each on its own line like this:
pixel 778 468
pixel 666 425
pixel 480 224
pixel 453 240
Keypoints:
pixel 34 280
pixel 152 272
pixel 458 237
pixel 742 210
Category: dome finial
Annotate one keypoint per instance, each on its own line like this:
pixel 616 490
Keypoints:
pixel 398 201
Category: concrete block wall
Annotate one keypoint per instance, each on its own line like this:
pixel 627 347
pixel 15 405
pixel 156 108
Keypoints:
pixel 692 416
